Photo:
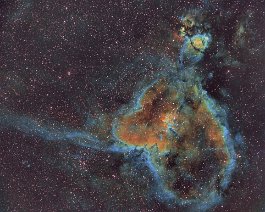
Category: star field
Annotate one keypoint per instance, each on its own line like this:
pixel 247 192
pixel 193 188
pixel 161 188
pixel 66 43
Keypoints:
pixel 132 105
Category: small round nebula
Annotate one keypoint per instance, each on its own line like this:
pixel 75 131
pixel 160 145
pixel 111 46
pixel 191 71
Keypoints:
pixel 194 47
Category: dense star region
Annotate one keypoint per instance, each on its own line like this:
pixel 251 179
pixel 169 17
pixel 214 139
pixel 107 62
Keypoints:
pixel 132 105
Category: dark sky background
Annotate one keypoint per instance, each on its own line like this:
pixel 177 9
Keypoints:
pixel 62 60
